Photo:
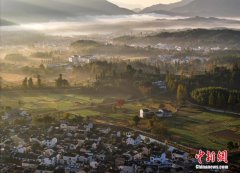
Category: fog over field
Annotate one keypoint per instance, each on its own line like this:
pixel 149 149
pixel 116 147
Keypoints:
pixel 124 24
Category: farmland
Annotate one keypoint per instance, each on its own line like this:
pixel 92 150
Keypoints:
pixel 190 126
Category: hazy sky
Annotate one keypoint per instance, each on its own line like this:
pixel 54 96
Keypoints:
pixel 140 3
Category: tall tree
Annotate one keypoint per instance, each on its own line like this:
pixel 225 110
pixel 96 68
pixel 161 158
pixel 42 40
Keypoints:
pixel 24 82
pixel 211 100
pixel 231 99
pixel 30 83
pixel 136 120
pixel 1 81
pixel 181 94
pixel 59 81
pixel 39 81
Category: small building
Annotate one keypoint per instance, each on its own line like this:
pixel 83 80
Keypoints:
pixel 146 113
pixel 160 84
pixel 163 113
pixel 13 114
pixel 80 60
pixel 176 154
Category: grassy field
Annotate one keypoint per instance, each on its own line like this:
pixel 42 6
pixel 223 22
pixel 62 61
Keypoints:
pixel 190 126
pixel 196 127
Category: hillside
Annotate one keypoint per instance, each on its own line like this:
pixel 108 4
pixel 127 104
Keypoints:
pixel 195 37
pixel 158 8
pixel 226 8
pixel 4 22
pixel 48 10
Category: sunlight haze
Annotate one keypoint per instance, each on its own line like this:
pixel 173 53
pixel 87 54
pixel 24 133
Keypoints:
pixel 140 3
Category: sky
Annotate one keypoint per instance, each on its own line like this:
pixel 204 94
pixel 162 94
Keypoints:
pixel 140 3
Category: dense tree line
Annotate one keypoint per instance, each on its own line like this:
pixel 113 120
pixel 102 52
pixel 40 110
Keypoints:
pixel 216 96
pixel 221 76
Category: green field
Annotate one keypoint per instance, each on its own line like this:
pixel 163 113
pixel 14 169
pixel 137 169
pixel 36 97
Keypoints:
pixel 190 126
pixel 199 128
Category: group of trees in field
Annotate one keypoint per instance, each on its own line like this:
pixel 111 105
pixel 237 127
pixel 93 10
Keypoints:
pixel 216 96
pixel 60 82
pixel 28 82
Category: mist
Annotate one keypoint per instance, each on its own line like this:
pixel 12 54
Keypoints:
pixel 122 24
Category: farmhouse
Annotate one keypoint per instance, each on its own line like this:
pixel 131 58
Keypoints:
pixel 160 84
pixel 163 113
pixel 146 113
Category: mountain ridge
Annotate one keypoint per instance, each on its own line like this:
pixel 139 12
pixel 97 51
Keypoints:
pixel 48 10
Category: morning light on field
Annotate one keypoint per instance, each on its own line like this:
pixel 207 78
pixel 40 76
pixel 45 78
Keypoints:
pixel 116 86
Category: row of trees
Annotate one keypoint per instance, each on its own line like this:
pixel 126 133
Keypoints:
pixel 216 96
pixel 28 82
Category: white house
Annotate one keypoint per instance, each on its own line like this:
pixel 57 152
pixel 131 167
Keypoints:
pixel 93 164
pixel 31 165
pixel 126 169
pixel 160 84
pixel 130 141
pixel 145 113
pixel 70 159
pixel 80 60
pixel 48 161
pixel 50 143
pixel 163 113
pixel 138 156
pixel 176 154
pixel 21 149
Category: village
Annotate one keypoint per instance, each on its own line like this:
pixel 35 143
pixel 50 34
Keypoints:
pixel 85 146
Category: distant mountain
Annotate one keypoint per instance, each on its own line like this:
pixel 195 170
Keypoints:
pixel 137 10
pixel 165 7
pixel 226 8
pixel 4 22
pixel 46 10
pixel 188 38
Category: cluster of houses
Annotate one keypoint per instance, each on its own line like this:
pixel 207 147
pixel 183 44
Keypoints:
pixel 84 147
pixel 12 114
pixel 79 60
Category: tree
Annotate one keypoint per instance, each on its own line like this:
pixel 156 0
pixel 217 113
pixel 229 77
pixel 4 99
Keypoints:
pixel 231 99
pixel 221 101
pixel 236 146
pixel 59 81
pixel 130 70
pixel 136 120
pixel 230 145
pixel 42 67
pixel 120 103
pixel 39 81
pixel 181 94
pixel 24 82
pixel 65 83
pixel 1 81
pixel 30 83
pixel 211 100
pixel 150 123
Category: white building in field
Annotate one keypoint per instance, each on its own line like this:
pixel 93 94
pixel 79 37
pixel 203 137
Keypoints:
pixel 80 60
